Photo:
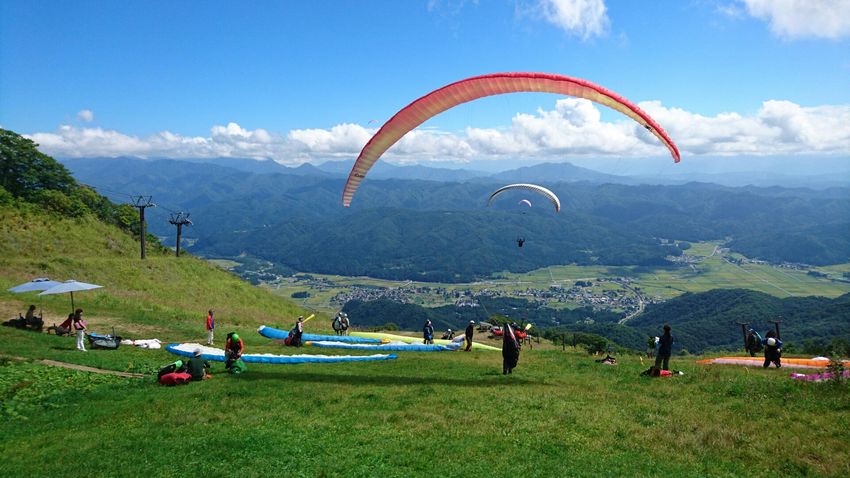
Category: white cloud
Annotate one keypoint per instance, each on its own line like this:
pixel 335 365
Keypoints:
pixel 584 18
pixel 573 128
pixel 779 127
pixel 803 18
pixel 86 115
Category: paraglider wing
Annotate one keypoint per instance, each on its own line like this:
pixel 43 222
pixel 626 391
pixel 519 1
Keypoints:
pixel 528 187
pixel 526 202
pixel 434 103
pixel 510 348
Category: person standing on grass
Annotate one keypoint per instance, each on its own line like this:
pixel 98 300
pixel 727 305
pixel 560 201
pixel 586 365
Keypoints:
pixel 510 350
pixel 470 330
pixel 428 333
pixel 80 327
pixel 665 349
pixel 345 323
pixel 772 350
pixel 210 327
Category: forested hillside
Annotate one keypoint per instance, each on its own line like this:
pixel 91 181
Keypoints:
pixel 50 226
pixel 700 322
pixel 430 230
pixel 707 320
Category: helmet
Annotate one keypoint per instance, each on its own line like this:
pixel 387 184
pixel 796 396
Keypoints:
pixel 471 321
pixel 771 341
pixel 178 363
pixel 197 352
pixel 450 330
pixel 235 336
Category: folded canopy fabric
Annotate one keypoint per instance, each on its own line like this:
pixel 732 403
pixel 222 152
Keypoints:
pixel 273 333
pixel 392 346
pixel 759 361
pixel 217 355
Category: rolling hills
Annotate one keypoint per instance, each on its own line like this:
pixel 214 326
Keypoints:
pixel 444 232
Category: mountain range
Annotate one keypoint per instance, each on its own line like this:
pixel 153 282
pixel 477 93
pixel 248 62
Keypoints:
pixel 432 229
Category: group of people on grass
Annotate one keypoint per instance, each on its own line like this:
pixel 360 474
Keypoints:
pixel 29 322
pixel 428 334
pixel 196 368
pixel 664 347
pixel 511 346
pixel 661 347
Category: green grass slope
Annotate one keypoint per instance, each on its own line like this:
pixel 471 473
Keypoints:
pixel 140 298
pixel 446 414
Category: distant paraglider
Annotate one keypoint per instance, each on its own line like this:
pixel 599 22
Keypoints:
pixel 447 97
pixel 528 187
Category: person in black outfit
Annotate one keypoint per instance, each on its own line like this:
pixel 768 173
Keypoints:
pixel 297 332
pixel 520 242
pixel 428 333
pixel 772 350
pixel 510 350
pixel 665 349
pixel 468 335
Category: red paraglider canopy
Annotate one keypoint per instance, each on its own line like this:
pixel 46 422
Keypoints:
pixel 449 96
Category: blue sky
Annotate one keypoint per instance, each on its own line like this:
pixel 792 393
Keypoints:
pixel 302 82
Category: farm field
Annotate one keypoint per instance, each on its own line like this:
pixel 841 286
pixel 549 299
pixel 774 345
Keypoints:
pixel 710 270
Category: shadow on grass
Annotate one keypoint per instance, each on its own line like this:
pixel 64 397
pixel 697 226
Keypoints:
pixel 485 380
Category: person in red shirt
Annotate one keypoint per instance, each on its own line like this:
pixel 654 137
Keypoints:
pixel 210 327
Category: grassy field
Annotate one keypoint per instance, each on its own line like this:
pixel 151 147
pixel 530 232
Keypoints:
pixel 160 293
pixel 452 414
pixel 448 414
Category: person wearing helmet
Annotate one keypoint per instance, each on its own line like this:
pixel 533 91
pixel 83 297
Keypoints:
pixel 772 350
pixel 233 349
pixel 448 335
pixel 197 367
pixel 467 335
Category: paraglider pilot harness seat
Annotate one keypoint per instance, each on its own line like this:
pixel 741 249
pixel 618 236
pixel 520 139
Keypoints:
pixel 100 341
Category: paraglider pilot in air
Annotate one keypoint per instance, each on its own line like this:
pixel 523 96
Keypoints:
pixel 520 241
